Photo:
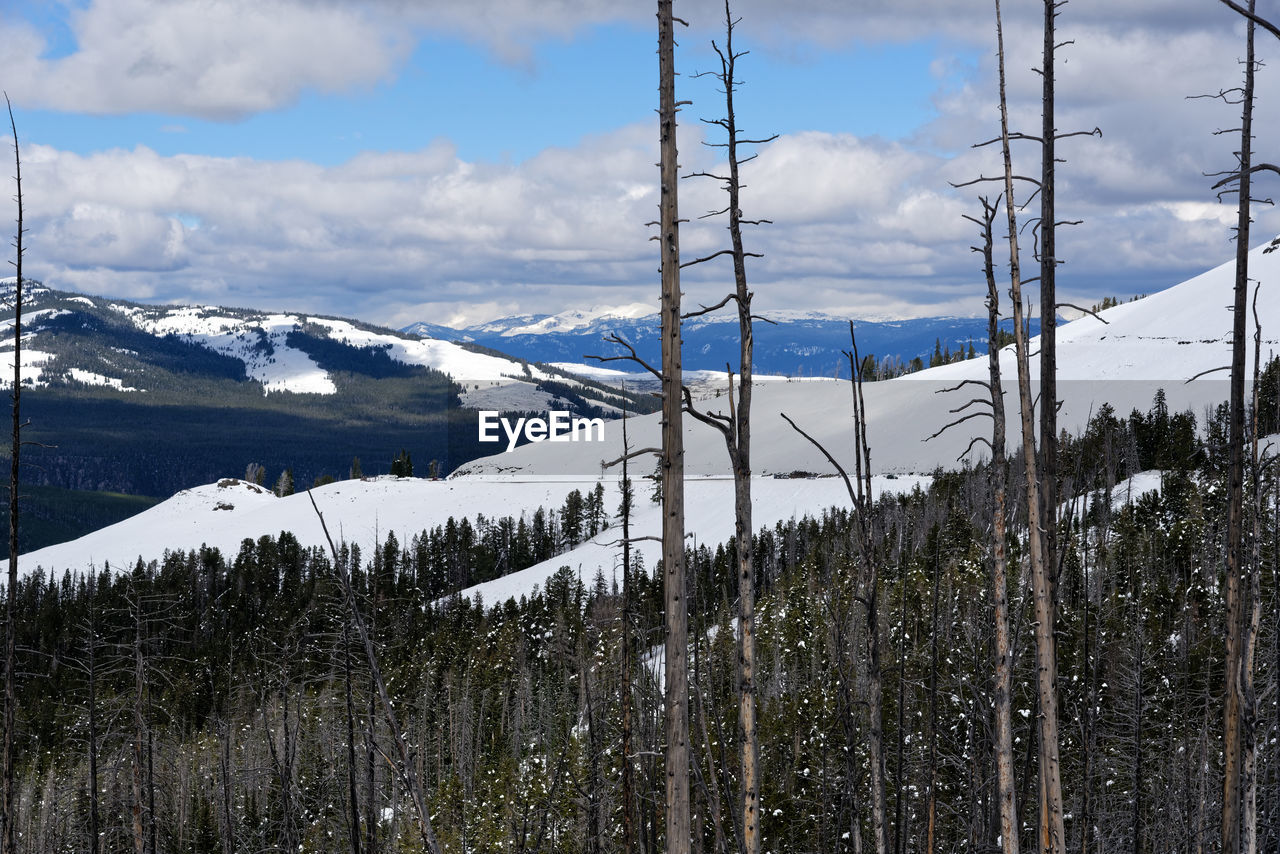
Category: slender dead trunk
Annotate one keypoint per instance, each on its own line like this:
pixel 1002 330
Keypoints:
pixel 352 794
pixel 931 816
pixel 139 732
pixel 673 560
pixel 628 784
pixel 1006 787
pixel 1052 833
pixel 93 714
pixel 7 817
pixel 1048 302
pixel 1235 658
pixel 406 769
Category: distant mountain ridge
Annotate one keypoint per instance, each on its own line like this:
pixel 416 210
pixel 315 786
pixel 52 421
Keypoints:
pixel 150 399
pixel 794 343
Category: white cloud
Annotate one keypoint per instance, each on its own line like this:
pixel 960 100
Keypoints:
pixel 223 59
pixel 399 236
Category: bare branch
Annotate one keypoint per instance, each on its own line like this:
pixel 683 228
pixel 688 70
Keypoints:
pixel 839 468
pixel 1081 308
pixel 974 441
pixel 1236 176
pixel 1257 19
pixel 632 455
pixel 702 309
pixel 632 356
pixel 1210 371
pixel 964 383
pixel 706 258
pixel 1025 136
pixel 945 427
pixel 1000 179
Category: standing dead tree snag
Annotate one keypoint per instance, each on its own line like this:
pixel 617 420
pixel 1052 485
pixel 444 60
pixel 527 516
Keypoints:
pixel 859 490
pixel 1052 834
pixel 1006 794
pixel 405 765
pixel 673 560
pixel 1239 815
pixel 7 837
pixel 735 427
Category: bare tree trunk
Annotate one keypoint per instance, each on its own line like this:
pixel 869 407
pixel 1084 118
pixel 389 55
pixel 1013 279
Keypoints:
pixel 1253 618
pixel 139 731
pixel 7 817
pixel 628 751
pixel 93 713
pixel 405 768
pixel 736 430
pixel 1048 302
pixel 1006 787
pixel 673 561
pixel 1235 659
pixel 352 793
pixel 1052 834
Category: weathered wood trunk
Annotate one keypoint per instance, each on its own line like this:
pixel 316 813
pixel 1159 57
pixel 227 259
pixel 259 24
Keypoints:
pixel 1006 794
pixel 1051 829
pixel 676 668
pixel 1234 593
pixel 7 817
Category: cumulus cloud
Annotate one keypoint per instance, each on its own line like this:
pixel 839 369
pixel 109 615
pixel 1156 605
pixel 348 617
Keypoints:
pixel 220 60
pixel 859 223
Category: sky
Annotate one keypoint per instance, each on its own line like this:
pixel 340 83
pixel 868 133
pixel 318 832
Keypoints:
pixel 461 160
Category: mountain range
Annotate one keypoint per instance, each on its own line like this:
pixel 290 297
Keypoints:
pixel 148 400
pixel 787 343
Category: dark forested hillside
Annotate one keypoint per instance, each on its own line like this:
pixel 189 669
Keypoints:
pixel 226 699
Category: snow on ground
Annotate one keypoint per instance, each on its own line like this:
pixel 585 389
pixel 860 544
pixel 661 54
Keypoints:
pixel 222 515
pixel 33 362
pixel 708 520
pixel 1159 342
pixel 261 342
pixel 90 378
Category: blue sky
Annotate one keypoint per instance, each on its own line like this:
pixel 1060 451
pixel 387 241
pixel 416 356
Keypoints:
pixel 493 156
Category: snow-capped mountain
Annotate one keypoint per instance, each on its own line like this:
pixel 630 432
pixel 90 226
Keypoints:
pixel 149 399
pixel 795 343
pixel 279 352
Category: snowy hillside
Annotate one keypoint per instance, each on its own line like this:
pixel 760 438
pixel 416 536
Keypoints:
pixel 283 352
pixel 222 515
pixel 1159 342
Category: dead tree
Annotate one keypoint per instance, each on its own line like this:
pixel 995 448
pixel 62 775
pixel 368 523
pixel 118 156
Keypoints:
pixel 628 653
pixel 405 765
pixel 1234 594
pixel 676 666
pixel 1006 794
pixel 7 817
pixel 1052 836
pixel 859 490
pixel 735 428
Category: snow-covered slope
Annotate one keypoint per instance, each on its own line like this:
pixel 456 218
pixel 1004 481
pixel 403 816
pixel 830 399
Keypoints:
pixel 224 514
pixel 71 339
pixel 1159 342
